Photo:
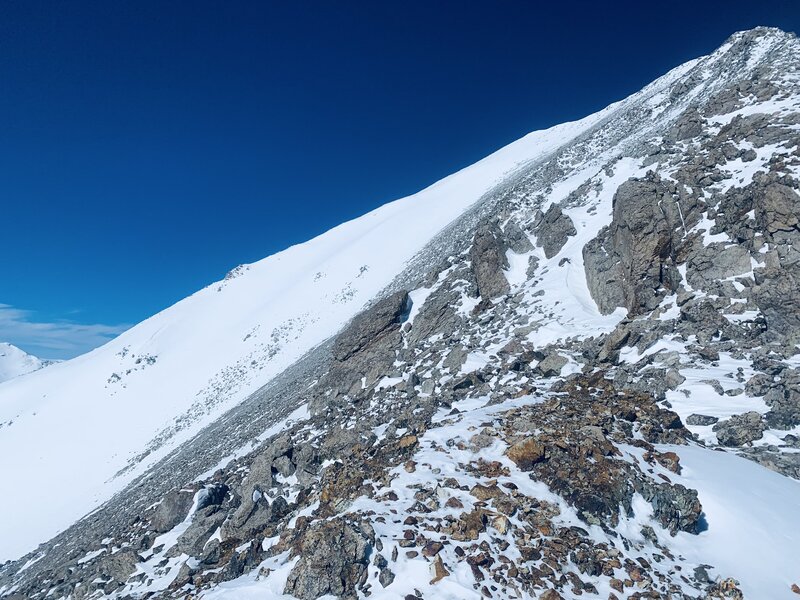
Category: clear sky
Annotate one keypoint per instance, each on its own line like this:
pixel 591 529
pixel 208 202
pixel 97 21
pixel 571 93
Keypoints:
pixel 148 147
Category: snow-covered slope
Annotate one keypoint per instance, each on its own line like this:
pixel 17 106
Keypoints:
pixel 603 329
pixel 15 362
pixel 199 357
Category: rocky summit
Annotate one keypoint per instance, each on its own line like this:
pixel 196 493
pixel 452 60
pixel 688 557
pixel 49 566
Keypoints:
pixel 587 384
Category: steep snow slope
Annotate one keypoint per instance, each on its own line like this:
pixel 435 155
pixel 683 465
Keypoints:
pixel 15 362
pixel 516 412
pixel 75 426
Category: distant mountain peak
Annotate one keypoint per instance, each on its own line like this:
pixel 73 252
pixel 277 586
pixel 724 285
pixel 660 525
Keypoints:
pixel 15 362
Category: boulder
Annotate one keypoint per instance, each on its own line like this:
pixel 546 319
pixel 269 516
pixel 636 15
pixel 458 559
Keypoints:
pixel 740 429
pixel 701 420
pixel 334 556
pixel 516 239
pixel 778 212
pixel 526 453
pixel 553 230
pixel 368 326
pixel 551 364
pixel 488 257
pixel 172 510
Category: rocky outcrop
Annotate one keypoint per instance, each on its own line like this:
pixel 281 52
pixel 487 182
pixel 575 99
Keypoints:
pixel 709 265
pixel 553 229
pixel 504 446
pixel 373 324
pixel 172 510
pixel 488 257
pixel 632 262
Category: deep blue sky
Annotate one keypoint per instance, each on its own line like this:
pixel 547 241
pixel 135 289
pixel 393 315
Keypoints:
pixel 148 147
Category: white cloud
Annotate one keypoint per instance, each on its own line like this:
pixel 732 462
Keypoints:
pixel 55 339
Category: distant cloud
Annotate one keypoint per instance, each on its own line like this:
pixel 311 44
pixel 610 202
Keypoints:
pixel 55 339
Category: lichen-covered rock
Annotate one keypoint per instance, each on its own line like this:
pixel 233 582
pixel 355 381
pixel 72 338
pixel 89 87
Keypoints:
pixel 334 556
pixel 740 429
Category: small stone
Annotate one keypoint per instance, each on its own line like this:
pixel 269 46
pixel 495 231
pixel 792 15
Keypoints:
pixel 501 523
pixel 386 577
pixel 670 461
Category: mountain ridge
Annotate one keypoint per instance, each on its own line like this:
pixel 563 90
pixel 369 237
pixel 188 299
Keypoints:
pixel 512 289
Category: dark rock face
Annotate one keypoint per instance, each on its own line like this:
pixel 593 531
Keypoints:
pixel 777 290
pixel 368 327
pixel 712 263
pixel 553 230
pixel 778 213
pixel 488 256
pixel 688 125
pixel 783 398
pixel 631 263
pixel 334 556
pixel 516 238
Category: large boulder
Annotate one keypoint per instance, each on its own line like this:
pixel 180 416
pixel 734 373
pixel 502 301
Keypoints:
pixel 370 325
pixel 778 212
pixel 740 429
pixel 172 510
pixel 553 230
pixel 334 556
pixel 488 257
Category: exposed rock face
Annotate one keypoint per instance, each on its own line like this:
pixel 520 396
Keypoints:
pixel 778 213
pixel 711 264
pixel 488 256
pixel 689 125
pixel 552 230
pixel 370 326
pixel 631 263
